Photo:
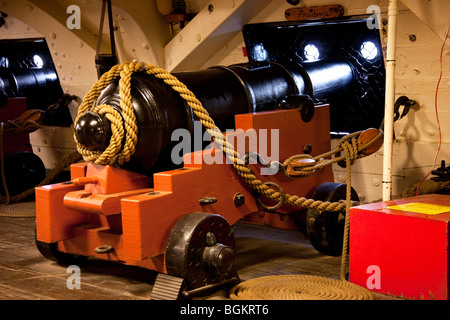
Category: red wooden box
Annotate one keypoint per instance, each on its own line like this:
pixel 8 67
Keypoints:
pixel 400 247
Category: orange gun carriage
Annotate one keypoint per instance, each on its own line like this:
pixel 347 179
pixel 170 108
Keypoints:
pixel 118 215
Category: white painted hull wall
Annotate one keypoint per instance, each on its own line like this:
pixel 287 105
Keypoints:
pixel 214 37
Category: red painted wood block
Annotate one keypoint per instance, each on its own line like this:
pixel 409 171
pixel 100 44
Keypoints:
pixel 401 247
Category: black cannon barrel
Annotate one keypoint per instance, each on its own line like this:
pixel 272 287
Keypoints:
pixel 37 84
pixel 223 92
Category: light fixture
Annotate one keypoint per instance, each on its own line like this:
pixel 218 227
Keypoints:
pixel 311 52
pixel 260 53
pixel 38 62
pixel 369 50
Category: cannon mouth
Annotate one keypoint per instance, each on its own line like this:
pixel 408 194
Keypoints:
pixel 93 131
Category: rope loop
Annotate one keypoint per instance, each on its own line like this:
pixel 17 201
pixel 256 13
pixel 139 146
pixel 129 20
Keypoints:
pixel 280 200
pixel 351 151
pixel 123 124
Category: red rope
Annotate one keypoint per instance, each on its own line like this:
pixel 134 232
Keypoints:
pixel 437 114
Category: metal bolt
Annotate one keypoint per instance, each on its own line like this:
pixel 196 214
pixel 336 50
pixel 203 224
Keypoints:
pixel 210 8
pixel 207 200
pixel 412 37
pixel 307 148
pixel 375 182
pixel 239 199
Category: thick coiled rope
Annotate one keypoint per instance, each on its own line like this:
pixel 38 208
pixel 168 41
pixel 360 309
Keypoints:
pixel 122 124
pixel 298 287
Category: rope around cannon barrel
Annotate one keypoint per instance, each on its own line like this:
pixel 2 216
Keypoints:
pixel 116 154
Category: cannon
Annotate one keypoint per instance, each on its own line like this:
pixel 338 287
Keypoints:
pixel 150 210
pixel 223 92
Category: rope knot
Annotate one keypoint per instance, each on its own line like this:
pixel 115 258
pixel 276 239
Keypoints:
pixel 124 130
pixel 350 148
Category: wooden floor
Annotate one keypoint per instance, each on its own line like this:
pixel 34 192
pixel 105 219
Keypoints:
pixel 26 275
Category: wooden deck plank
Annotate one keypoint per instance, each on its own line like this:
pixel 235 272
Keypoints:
pixel 26 275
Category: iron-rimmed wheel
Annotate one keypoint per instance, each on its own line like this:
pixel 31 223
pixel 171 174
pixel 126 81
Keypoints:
pixel 50 251
pixel 325 230
pixel 201 250
pixel 23 170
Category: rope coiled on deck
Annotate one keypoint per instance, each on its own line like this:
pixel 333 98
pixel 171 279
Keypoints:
pixel 298 287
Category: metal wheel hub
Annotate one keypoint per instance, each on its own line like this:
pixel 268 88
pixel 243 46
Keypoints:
pixel 217 256
pixel 201 249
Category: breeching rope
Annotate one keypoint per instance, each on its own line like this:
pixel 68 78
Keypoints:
pixel 124 128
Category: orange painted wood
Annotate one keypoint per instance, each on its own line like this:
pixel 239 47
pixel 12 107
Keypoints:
pixel 293 132
pixel 104 204
pixel 78 170
pixel 81 181
pixel 54 221
pixel 113 180
pixel 140 232
pixel 177 192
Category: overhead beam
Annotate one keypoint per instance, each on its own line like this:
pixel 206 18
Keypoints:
pixel 435 14
pixel 211 29
pixel 145 27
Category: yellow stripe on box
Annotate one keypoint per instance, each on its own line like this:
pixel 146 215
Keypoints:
pixel 425 208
